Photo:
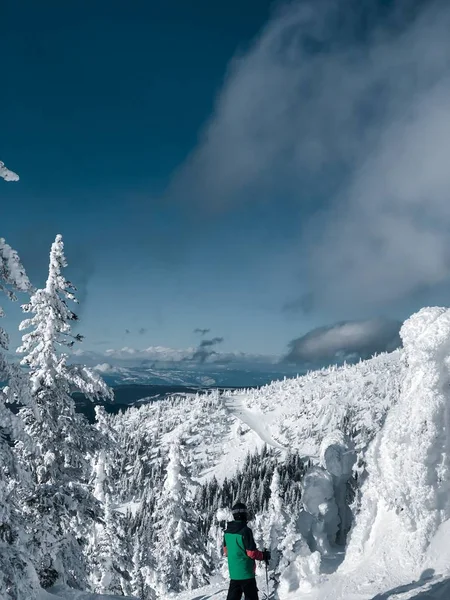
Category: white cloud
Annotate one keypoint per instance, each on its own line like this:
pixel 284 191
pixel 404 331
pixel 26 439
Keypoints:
pixel 156 353
pixel 104 368
pixel 305 112
pixel 127 356
pixel 6 174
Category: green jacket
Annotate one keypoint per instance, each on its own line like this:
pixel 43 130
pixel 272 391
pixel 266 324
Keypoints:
pixel 240 548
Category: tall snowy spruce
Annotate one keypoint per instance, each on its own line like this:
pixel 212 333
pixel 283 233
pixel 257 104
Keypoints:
pixel 180 558
pixel 275 519
pixel 18 580
pixel 62 509
pixel 109 550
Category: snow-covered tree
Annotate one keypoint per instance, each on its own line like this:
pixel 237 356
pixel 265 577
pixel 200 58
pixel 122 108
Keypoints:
pixel 109 548
pixel 110 563
pixel 338 457
pixel 299 568
pixel 12 279
pixel 320 507
pixel 18 579
pixel 142 534
pixel 6 174
pixel 137 582
pixel 62 507
pixel 180 557
pixel 275 520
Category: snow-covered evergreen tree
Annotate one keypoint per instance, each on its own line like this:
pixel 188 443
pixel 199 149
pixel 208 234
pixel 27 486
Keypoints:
pixel 299 568
pixel 109 549
pixel 275 520
pixel 110 562
pixel 320 508
pixel 140 584
pixel 62 508
pixel 12 279
pixel 180 557
pixel 7 174
pixel 18 580
pixel 141 532
pixel 338 457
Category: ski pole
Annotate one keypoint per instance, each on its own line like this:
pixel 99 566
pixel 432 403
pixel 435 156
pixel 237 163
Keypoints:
pixel 267 575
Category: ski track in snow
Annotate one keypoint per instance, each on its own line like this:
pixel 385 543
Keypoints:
pixel 62 592
pixel 255 420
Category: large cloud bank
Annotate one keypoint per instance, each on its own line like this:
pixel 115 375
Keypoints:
pixel 349 340
pixel 352 117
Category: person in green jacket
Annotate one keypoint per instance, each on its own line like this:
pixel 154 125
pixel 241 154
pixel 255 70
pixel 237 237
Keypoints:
pixel 240 549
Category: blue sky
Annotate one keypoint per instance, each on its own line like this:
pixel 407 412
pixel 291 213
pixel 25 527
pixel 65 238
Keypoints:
pixel 194 190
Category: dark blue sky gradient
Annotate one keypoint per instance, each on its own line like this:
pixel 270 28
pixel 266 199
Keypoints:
pixel 100 103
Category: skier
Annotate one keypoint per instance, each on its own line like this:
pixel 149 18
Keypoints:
pixel 240 549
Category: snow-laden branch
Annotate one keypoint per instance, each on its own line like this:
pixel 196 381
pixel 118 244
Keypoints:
pixel 6 174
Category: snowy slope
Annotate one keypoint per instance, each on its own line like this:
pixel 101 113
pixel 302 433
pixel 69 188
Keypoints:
pixel 396 408
pixel 399 546
pixel 62 592
pixel 220 429
pixel 298 413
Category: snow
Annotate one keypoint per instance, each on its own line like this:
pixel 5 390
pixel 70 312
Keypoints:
pixel 398 547
pixel 387 419
pixel 104 368
pixel 6 174
pixel 298 413
pixel 403 524
pixel 337 455
pixel 255 419
pixel 128 507
pixel 307 414
pixel 62 592
pixel 429 587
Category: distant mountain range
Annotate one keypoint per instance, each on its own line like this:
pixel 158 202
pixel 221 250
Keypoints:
pixel 204 376
pixel 135 385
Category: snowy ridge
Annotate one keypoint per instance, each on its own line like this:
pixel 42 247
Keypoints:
pixel 296 414
pixel 299 412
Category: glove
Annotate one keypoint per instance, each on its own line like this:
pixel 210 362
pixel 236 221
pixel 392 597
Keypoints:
pixel 266 556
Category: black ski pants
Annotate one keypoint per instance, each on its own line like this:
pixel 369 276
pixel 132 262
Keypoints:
pixel 243 586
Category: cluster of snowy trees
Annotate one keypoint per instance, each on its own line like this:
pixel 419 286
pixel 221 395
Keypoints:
pixel 47 505
pixel 253 484
pixel 170 525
